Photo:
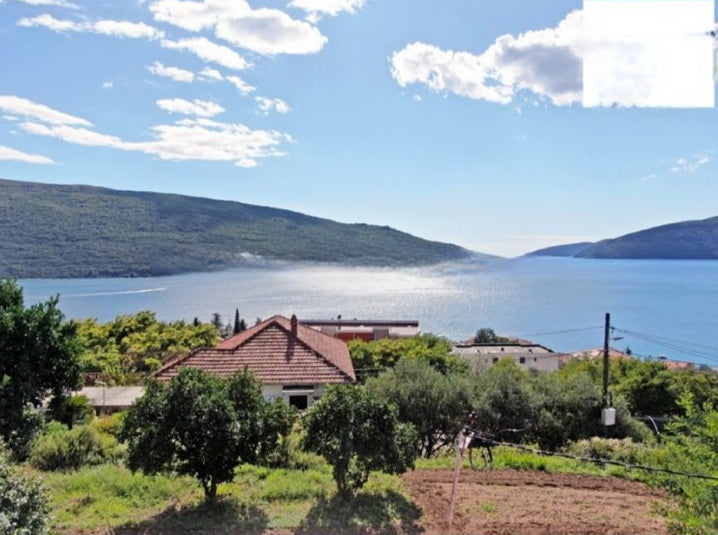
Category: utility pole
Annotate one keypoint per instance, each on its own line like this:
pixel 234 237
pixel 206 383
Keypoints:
pixel 606 335
pixel 608 413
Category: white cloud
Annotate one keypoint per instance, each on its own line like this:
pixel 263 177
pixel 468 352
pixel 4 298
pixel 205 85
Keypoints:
pixel 197 138
pixel 317 8
pixel 241 85
pixel 208 51
pixel 107 85
pixel 546 62
pixel 270 31
pixel 115 28
pixel 59 3
pixel 267 105
pixel 188 139
pixel 7 153
pixel 211 74
pixel 690 165
pixel 50 22
pixel 200 108
pixel 263 30
pixel 134 30
pixel 25 108
pixel 177 74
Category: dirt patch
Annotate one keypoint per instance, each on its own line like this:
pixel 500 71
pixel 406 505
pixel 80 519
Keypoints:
pixel 517 502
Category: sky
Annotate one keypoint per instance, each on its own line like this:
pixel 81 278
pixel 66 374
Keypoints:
pixel 502 126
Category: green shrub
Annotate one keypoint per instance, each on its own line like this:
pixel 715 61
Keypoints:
pixel 60 448
pixel 23 506
pixel 297 458
pixel 110 425
pixel 623 450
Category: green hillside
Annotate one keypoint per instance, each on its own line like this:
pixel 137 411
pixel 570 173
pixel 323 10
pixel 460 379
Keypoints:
pixel 82 231
pixel 684 240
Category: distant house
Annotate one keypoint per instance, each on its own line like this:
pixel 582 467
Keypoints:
pixel 366 330
pixel 293 362
pixel 527 355
pixel 110 399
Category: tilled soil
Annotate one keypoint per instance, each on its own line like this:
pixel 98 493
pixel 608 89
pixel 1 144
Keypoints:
pixel 518 502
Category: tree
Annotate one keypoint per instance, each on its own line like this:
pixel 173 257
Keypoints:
pixel 137 343
pixel 236 321
pixel 23 506
pixel 378 355
pixel 38 358
pixel 200 425
pixel 217 321
pixel 649 387
pixel 504 398
pixel 486 335
pixel 357 433
pixel 436 404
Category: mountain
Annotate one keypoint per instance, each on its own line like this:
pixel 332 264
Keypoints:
pixel 83 231
pixel 684 240
pixel 570 249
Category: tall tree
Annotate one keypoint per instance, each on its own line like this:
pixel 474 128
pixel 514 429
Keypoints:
pixel 237 327
pixel 38 358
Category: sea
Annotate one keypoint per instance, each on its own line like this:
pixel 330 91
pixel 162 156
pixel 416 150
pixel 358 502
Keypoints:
pixel 658 308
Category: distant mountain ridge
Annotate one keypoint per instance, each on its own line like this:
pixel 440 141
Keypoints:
pixel 55 231
pixel 570 249
pixel 685 240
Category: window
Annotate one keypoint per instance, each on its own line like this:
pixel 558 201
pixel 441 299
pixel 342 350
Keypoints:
pixel 522 360
pixel 298 402
pixel 495 360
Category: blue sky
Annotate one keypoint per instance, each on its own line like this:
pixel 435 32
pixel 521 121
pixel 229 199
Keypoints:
pixel 458 121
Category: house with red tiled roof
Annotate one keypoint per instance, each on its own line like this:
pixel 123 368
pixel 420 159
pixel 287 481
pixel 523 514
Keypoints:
pixel 293 362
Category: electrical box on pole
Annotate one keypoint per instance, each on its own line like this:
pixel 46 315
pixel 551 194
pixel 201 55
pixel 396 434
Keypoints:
pixel 608 416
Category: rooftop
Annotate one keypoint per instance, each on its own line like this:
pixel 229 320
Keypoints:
pixel 277 351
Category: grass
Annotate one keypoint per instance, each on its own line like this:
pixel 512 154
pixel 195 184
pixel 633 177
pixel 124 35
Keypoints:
pixel 505 458
pixel 110 497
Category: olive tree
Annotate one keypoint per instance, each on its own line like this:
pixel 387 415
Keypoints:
pixel 436 404
pixel 357 433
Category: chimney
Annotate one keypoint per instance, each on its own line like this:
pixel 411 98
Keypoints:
pixel 293 323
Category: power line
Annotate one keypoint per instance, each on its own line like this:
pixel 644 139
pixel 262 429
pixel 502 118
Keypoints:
pixel 676 345
pixel 561 332
pixel 671 340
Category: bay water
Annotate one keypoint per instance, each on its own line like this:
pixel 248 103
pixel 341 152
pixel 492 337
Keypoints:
pixel 658 307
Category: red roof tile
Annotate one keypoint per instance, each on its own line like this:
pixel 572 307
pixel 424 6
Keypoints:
pixel 274 355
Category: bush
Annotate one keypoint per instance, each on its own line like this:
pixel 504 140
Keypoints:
pixel 357 433
pixel 23 506
pixel 614 449
pixel 59 448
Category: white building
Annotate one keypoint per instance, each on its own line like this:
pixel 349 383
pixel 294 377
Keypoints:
pixel 527 355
